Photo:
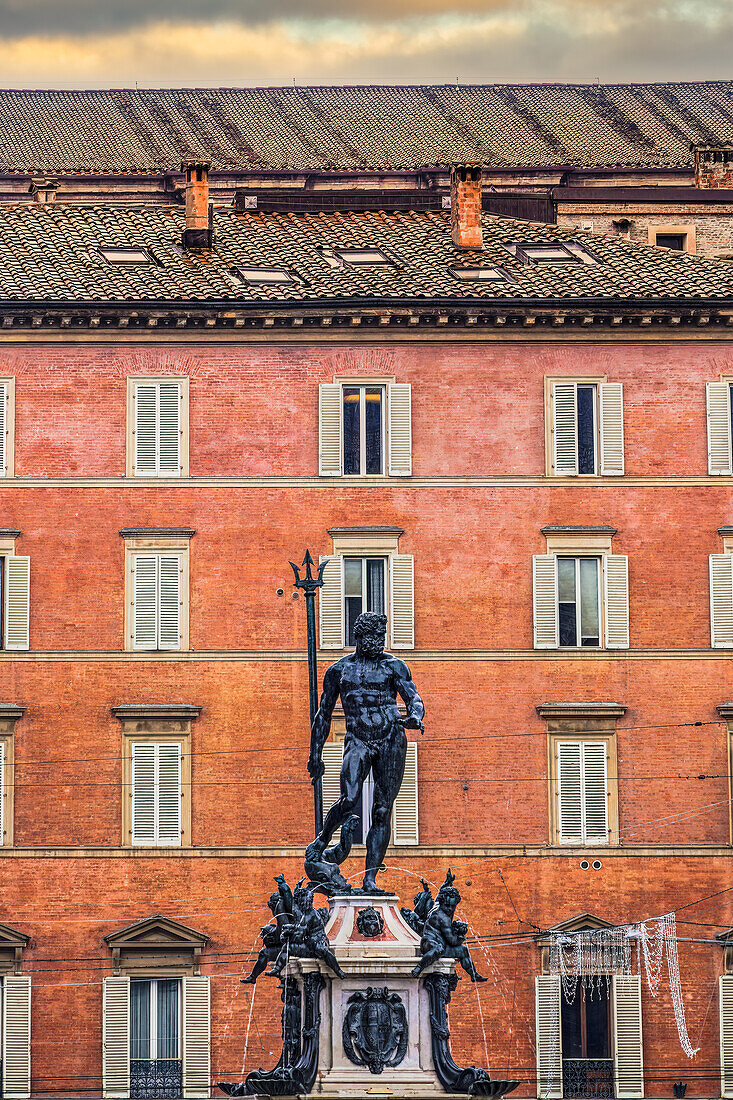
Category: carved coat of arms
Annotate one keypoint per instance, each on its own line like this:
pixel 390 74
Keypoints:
pixel 375 1029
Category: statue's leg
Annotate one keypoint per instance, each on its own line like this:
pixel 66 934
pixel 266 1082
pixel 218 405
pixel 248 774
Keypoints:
pixel 259 967
pixel 427 960
pixel 388 769
pixel 331 961
pixel 354 771
pixel 466 962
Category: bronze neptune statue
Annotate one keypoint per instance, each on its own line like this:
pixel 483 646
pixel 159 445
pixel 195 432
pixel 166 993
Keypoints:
pixel 368 683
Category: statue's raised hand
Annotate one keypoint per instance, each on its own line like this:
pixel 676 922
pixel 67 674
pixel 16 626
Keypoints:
pixel 316 768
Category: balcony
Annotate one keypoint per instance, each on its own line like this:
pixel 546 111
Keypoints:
pixel 587 1077
pixel 158 1079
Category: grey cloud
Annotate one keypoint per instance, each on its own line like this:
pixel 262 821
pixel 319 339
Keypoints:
pixel 20 18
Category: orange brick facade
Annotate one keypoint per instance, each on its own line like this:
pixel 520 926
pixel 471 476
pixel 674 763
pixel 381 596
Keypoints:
pixel 472 515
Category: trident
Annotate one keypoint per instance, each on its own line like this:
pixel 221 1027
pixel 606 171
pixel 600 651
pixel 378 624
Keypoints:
pixel 309 584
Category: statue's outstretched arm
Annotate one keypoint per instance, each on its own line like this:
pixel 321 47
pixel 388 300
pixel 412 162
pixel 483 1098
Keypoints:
pixel 322 721
pixel 408 691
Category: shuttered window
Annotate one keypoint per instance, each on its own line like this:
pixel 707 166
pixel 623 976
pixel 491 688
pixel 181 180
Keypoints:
pixel 719 400
pixel 572 608
pixel 582 792
pixel 587 428
pixel 157 601
pixel 353 584
pixel 158 419
pixel 548 1042
pixel 404 812
pixel 116 1038
pixel 365 429
pixel 156 793
pixel 628 1067
pixel 4 428
pixel 725 1009
pixel 196 1038
pixel 721 601
pixel 16 577
pixel 16 1046
pixel 627 1036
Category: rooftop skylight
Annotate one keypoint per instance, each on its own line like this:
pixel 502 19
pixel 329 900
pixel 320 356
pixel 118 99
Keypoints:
pixel 265 275
pixel 126 255
pixel 363 256
pixel 486 273
pixel 551 252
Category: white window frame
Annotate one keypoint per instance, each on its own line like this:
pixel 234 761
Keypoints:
pixel 7 427
pixel 156 380
pixel 364 558
pixel 576 558
pixel 396 426
pixel 153 983
pixel 362 387
pixel 582 742
pixel 155 744
pixel 164 545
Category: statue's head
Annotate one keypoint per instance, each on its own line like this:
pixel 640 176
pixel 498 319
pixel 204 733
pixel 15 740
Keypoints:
pixel 448 899
pixel 273 902
pixel 370 631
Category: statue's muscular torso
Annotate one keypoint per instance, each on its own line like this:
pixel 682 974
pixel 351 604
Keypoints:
pixel 368 690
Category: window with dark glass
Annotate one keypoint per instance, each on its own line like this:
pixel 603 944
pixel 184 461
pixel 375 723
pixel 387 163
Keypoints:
pixel 363 422
pixel 578 601
pixel 363 590
pixel 586 1039
pixel 677 241
pixel 587 429
pixel 156 1067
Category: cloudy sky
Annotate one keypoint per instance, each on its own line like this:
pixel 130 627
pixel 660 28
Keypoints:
pixel 116 43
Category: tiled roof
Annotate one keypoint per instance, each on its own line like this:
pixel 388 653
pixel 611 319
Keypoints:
pixel 50 254
pixel 365 127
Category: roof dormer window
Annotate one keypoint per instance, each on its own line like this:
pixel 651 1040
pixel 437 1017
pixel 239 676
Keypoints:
pixel 264 275
pixel 487 273
pixel 362 256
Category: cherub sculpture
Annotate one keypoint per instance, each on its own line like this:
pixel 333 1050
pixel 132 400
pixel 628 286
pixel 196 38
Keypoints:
pixel 443 937
pixel 423 903
pixel 307 939
pixel 271 944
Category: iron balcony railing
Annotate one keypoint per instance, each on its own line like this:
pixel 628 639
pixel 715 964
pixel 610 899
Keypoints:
pixel 156 1079
pixel 587 1077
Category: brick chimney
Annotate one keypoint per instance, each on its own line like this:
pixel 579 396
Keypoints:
pixel 43 190
pixel 465 205
pixel 713 166
pixel 199 232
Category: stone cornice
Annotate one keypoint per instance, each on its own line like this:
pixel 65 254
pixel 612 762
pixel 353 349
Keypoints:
pixel 581 710
pixel 42 318
pixel 142 711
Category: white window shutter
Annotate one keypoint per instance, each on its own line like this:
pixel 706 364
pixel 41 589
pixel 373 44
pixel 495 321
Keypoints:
pixel 196 1038
pixel 146 428
pixel 611 399
pixel 2 793
pixel 145 601
pixel 333 758
pixel 570 792
pixel 330 448
pixel 548 1040
pixel 331 605
pixel 721 601
pixel 628 1063
pixel 399 401
pixel 143 792
pixel 616 592
pixel 544 577
pixel 17 602
pixel 168 791
pixel 725 1008
pixel 169 601
pixel 16 1037
pixel 564 428
pixel 3 429
pixel 404 814
pixel 116 1038
pixel 595 792
pixel 402 601
pixel 169 428
pixel 719 428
